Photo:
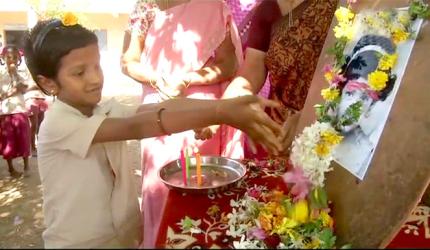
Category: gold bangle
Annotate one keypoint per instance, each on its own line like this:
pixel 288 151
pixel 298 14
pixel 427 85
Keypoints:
pixel 187 82
pixel 160 123
pixel 153 84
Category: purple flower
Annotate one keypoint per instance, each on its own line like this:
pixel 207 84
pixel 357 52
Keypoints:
pixel 256 233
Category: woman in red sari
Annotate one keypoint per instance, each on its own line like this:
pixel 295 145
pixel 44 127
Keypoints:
pixel 284 42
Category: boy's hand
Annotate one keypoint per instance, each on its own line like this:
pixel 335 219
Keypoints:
pixel 247 114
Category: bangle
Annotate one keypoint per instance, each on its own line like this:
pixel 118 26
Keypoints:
pixel 187 82
pixel 160 123
pixel 153 83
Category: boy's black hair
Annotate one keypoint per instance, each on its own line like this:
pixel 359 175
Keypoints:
pixel 12 48
pixel 48 42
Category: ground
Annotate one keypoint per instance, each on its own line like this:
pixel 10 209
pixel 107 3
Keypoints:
pixel 21 217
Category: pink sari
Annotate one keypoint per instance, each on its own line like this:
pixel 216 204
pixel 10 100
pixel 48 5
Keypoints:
pixel 183 39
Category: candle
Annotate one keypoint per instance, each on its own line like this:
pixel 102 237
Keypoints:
pixel 187 163
pixel 183 167
pixel 198 169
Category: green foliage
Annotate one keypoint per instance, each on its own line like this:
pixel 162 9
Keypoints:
pixel 328 239
pixel 419 9
pixel 352 114
pixel 337 51
pixel 318 198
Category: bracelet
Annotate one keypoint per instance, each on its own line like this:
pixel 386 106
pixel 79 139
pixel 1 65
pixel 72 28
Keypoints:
pixel 187 82
pixel 160 123
pixel 153 84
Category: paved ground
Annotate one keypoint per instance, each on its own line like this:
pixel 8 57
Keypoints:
pixel 21 218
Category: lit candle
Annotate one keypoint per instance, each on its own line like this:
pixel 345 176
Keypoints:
pixel 198 169
pixel 183 167
pixel 187 163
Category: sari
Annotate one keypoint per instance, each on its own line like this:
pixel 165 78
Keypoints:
pixel 293 56
pixel 182 39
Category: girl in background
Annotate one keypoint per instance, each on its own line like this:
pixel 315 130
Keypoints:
pixel 14 123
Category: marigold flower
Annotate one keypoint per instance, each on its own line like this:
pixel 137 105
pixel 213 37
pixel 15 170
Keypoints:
pixel 404 18
pixel 326 219
pixel 387 61
pixel 331 138
pixel 329 76
pixel 343 15
pixel 399 35
pixel 322 149
pixel 330 94
pixel 69 19
pixel 265 221
pixel 343 30
pixel 378 80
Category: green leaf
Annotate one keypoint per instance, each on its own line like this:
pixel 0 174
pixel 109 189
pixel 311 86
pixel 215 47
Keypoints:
pixel 328 239
pixel 318 198
pixel 419 9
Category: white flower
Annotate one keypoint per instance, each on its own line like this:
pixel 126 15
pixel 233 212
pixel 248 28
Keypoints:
pixel 248 244
pixel 303 153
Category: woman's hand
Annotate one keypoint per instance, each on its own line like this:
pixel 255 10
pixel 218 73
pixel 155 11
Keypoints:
pixel 247 114
pixel 288 132
pixel 170 87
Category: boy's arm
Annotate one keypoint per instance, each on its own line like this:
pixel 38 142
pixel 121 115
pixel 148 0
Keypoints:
pixel 244 113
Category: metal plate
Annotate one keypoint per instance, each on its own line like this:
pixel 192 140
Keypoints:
pixel 217 173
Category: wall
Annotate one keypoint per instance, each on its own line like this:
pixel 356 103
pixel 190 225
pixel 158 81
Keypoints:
pixel 113 23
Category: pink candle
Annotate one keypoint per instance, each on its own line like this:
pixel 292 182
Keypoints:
pixel 183 167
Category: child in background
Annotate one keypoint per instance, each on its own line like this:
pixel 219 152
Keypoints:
pixel 14 124
pixel 89 195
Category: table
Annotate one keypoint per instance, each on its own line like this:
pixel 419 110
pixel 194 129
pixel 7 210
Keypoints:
pixel 211 209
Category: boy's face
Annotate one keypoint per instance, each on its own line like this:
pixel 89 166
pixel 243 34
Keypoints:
pixel 80 78
pixel 11 59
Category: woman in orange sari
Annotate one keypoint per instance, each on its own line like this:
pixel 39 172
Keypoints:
pixel 188 48
pixel 284 42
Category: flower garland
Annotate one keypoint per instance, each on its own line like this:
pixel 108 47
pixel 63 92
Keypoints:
pixel 300 219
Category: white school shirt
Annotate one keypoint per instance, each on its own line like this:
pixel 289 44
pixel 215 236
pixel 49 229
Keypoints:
pixel 89 191
pixel 14 104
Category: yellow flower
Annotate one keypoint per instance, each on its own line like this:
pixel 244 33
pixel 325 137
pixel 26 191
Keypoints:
pixel 378 80
pixel 285 226
pixel 387 61
pixel 330 94
pixel 69 19
pixel 370 21
pixel 265 221
pixel 326 219
pixel 322 149
pixel 399 35
pixel 329 76
pixel 313 244
pixel 404 18
pixel 300 211
pixel 343 15
pixel 331 138
pixel 385 15
pixel 344 30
